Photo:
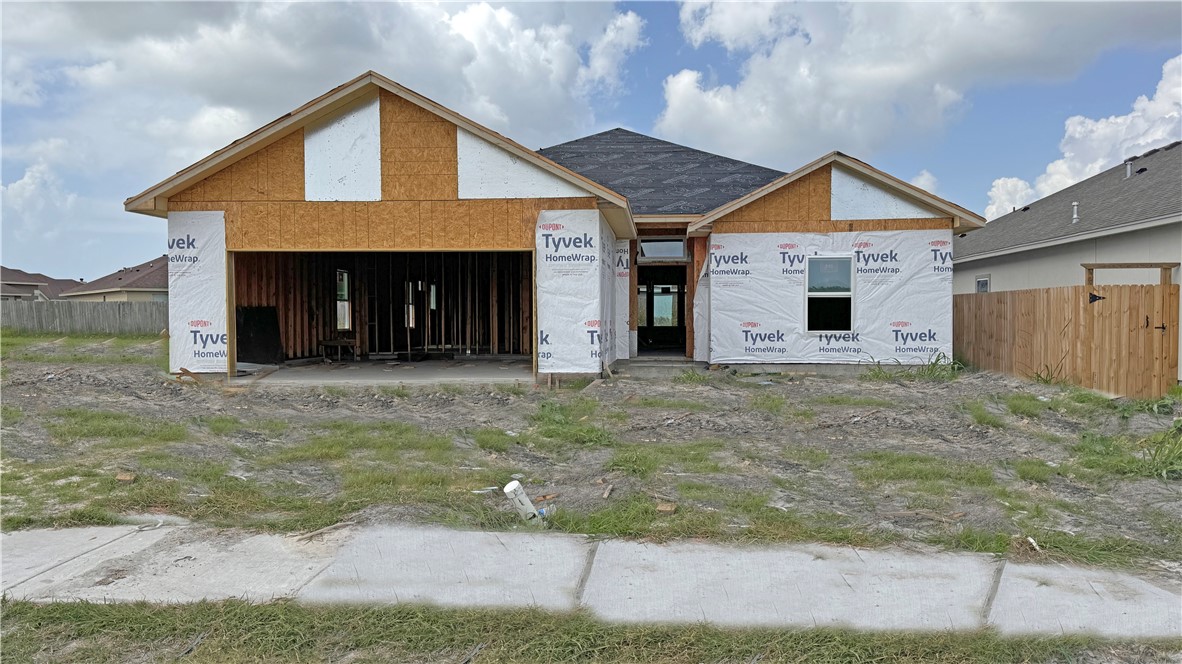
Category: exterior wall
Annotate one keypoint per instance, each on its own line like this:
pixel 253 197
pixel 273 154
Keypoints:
pixel 122 296
pixel 1060 265
pixel 263 197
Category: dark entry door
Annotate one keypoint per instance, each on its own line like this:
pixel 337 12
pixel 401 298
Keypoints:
pixel 660 297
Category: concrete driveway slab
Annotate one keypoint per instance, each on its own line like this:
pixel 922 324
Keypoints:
pixel 1049 599
pixel 26 553
pixel 788 586
pixel 405 564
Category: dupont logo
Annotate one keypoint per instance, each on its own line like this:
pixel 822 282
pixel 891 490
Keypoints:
pixel 749 324
pixel 939 243
pixel 863 245
pixel 901 323
pixel 787 245
pixel 591 323
pixel 716 247
pixel 552 227
pixel 199 323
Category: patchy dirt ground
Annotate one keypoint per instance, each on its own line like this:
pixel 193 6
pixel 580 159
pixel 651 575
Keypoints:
pixel 980 462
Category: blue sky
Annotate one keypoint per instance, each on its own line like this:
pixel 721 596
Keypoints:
pixel 988 105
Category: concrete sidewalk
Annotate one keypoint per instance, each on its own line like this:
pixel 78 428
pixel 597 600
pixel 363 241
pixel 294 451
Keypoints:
pixel 619 581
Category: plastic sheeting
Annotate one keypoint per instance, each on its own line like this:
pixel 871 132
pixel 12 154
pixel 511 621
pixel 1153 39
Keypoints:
pixel 197 292
pixel 569 282
pixel 902 297
pixel 702 316
pixel 607 293
pixel 623 271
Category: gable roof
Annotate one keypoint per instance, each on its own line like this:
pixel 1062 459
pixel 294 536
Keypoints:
pixel 1107 202
pixel 19 282
pixel 962 218
pixel 148 276
pixel 659 177
pixel 154 200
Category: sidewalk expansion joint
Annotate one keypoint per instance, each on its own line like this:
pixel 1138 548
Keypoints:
pixel 586 574
pixel 47 570
pixel 988 608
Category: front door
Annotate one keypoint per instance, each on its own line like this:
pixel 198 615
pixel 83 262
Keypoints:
pixel 660 318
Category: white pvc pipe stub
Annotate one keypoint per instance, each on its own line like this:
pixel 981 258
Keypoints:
pixel 521 502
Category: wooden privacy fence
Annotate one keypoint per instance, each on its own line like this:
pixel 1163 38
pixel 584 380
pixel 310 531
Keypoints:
pixel 68 317
pixel 1116 339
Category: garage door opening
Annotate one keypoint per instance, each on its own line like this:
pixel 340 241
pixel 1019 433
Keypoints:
pixel 405 305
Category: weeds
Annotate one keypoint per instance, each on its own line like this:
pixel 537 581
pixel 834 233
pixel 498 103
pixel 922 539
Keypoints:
pixel 692 377
pixel 394 391
pixel 10 415
pixel 570 422
pixel 1024 404
pixel 895 467
pixel 981 415
pixel 493 440
pixel 938 368
pixel 768 403
pixel 513 389
pixel 846 400
pixel 1162 453
pixel 117 429
pixel 1032 470
pixel 669 404
pixel 643 460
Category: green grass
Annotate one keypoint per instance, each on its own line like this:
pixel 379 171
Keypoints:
pixel 10 415
pixel 334 391
pixel 123 350
pixel 768 403
pixel 570 422
pixel 493 440
pixel 882 466
pixel 938 368
pixel 383 441
pixel 667 404
pixel 1032 470
pixel 1158 455
pixel 236 632
pixel 221 425
pixel 394 391
pixel 1024 404
pixel 983 416
pixel 514 389
pixel 691 377
pixel 114 429
pixel 847 400
pixel 806 455
pixel 452 389
pixel 1054 545
pixel 644 459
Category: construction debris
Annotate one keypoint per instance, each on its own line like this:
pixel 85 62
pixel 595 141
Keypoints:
pixel 549 496
pixel 608 491
pixel 666 508
pixel 125 477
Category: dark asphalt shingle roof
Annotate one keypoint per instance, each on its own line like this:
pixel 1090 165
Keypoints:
pixel 49 287
pixel 659 177
pixel 152 274
pixel 1106 200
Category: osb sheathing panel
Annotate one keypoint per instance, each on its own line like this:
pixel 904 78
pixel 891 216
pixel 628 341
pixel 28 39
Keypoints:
pixel 492 224
pixel 803 206
pixel 275 173
pixel 418 153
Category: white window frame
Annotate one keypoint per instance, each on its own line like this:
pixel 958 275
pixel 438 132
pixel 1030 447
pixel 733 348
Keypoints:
pixel 642 259
pixel 808 261
pixel 348 309
pixel 977 284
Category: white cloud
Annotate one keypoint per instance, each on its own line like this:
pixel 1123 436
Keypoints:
pixel 1006 195
pixel 926 181
pixel 863 77
pixel 141 90
pixel 1091 146
pixel 39 194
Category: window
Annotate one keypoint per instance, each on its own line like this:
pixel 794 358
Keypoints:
pixel 661 250
pixel 344 311
pixel 830 294
pixel 665 299
pixel 983 284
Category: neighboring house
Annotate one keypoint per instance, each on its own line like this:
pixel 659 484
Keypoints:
pixel 33 286
pixel 375 218
pixel 1131 213
pixel 146 282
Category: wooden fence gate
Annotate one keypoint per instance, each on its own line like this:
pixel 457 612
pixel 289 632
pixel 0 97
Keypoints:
pixel 1116 339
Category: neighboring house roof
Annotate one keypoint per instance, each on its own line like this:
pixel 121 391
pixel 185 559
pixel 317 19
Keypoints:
pixel 153 201
pixel 659 177
pixel 962 219
pixel 15 282
pixel 1108 203
pixel 149 276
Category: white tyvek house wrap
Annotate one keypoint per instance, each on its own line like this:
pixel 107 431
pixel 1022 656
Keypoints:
pixel 197 292
pixel 853 196
pixel 568 259
pixel 607 293
pixel 343 155
pixel 902 301
pixel 702 316
pixel 487 171
pixel 623 272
